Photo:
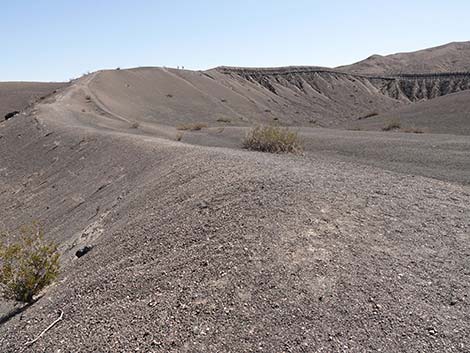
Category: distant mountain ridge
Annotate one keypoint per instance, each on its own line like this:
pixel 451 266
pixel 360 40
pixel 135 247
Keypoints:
pixel 452 57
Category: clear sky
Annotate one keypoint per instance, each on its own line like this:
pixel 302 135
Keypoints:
pixel 51 40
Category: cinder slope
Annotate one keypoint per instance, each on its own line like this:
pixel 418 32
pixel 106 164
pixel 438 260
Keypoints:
pixel 16 96
pixel 202 249
pixel 452 57
pixel 292 96
pixel 171 97
pixel 217 250
pixel 444 115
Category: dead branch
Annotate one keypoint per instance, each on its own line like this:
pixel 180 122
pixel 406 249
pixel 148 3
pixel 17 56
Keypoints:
pixel 47 329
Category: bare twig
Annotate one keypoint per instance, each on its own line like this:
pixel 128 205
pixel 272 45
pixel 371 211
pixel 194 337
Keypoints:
pixel 47 329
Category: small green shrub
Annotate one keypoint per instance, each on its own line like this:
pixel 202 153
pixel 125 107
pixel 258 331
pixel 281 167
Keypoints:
pixel 28 265
pixel 273 139
pixel 392 125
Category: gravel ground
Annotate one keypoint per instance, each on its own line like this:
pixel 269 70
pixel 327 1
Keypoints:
pixel 212 249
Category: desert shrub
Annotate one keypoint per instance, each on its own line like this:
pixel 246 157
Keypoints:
pixel 27 265
pixel 272 139
pixel 179 136
pixel 135 125
pixel 412 130
pixel 224 120
pixel 392 125
pixel 192 127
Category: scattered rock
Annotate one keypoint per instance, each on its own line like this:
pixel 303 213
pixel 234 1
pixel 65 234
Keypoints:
pixel 83 251
pixel 11 115
pixel 202 204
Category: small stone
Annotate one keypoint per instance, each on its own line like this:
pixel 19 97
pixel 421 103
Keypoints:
pixel 83 251
pixel 202 204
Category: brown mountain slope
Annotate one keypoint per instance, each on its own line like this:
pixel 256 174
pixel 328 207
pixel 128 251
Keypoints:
pixel 451 57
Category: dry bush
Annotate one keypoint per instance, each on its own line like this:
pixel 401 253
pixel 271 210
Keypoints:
pixel 192 127
pixel 179 136
pixel 272 139
pixel 135 125
pixel 224 120
pixel 392 125
pixel 412 130
pixel 27 265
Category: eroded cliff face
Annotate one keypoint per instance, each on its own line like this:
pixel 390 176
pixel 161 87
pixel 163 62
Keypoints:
pixel 422 87
pixel 337 85
pixel 328 97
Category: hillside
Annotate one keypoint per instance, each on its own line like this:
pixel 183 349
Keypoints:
pixel 240 97
pixel 16 96
pixel 202 248
pixel 171 97
pixel 358 244
pixel 452 57
pixel 448 115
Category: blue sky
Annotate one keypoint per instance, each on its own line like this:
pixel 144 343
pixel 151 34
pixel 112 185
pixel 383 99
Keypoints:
pixel 47 40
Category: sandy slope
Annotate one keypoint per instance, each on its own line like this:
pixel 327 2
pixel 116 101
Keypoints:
pixel 203 248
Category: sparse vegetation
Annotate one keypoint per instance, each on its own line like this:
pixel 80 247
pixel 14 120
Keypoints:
pixel 272 139
pixel 224 120
pixel 179 136
pixel 412 130
pixel 192 127
pixel 169 96
pixel 88 98
pixel 392 125
pixel 135 125
pixel 27 265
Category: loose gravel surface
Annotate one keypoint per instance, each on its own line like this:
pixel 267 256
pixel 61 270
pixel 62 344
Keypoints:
pixel 216 249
